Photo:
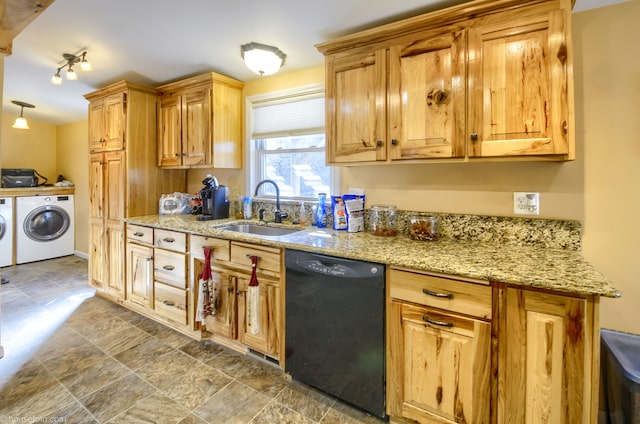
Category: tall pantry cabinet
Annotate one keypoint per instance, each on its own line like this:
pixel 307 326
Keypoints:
pixel 124 179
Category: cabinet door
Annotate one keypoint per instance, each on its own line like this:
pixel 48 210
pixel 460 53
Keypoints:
pixel 169 131
pixel 97 254
pixel 546 351
pixel 114 187
pixel 196 125
pixel 96 186
pixel 224 318
pixel 115 283
pixel 519 99
pixel 266 340
pixel 140 274
pixel 96 126
pixel 356 107
pixel 439 365
pixel 114 119
pixel 427 97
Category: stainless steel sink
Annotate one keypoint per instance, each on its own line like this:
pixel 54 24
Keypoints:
pixel 261 230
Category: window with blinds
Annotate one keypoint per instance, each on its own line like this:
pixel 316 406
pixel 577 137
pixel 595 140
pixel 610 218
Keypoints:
pixel 288 144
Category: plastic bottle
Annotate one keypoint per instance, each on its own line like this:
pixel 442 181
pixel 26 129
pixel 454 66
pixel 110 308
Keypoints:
pixel 321 213
pixel 303 215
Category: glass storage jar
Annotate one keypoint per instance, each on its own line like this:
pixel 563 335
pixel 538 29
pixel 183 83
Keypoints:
pixel 382 220
pixel 423 226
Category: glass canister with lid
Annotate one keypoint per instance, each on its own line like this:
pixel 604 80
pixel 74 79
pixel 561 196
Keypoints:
pixel 382 220
pixel 423 226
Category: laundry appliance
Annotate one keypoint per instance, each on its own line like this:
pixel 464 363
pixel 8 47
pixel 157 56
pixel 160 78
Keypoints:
pixel 6 231
pixel 44 227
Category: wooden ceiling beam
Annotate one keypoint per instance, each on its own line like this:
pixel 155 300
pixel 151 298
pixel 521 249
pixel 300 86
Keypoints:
pixel 15 15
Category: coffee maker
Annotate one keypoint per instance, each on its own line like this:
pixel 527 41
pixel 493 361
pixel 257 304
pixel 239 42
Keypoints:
pixel 215 200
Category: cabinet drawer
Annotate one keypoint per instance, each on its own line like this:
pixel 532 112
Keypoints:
pixel 172 240
pixel 220 247
pixel 140 233
pixel 170 268
pixel 452 295
pixel 269 261
pixel 171 303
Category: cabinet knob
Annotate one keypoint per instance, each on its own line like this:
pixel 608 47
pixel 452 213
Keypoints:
pixel 394 142
pixel 239 292
pixel 138 234
pixel 169 267
pixel 168 240
pixel 230 290
pixel 379 143
pixel 168 303
pixel 474 136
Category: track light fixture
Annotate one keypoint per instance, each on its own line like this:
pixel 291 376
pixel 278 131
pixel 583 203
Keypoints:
pixel 21 122
pixel 71 60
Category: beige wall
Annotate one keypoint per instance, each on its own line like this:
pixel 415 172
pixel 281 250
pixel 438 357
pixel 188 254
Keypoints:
pixel 33 148
pixel 607 70
pixel 72 162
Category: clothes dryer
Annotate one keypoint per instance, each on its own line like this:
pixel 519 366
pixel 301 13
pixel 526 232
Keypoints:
pixel 6 231
pixel 44 227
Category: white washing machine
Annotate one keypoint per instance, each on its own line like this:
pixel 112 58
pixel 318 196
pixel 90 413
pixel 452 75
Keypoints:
pixel 6 231
pixel 44 227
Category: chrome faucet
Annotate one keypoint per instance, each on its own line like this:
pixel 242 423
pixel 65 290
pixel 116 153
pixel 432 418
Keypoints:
pixel 278 215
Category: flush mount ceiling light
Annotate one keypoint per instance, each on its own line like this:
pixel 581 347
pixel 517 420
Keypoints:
pixel 70 61
pixel 262 59
pixel 21 122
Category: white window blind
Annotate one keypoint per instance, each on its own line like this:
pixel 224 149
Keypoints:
pixel 278 119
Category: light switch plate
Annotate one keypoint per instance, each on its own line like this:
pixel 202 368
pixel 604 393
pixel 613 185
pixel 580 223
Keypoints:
pixel 525 203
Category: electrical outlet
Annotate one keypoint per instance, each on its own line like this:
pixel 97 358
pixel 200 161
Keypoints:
pixel 526 203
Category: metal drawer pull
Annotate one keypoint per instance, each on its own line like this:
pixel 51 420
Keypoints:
pixel 169 267
pixel 436 294
pixel 138 234
pixel 169 303
pixel 169 240
pixel 435 322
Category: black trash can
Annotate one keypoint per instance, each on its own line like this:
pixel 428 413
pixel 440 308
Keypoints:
pixel 620 377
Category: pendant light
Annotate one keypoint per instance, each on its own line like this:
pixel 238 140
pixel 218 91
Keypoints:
pixel 21 122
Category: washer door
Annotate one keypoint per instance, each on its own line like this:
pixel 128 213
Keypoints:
pixel 3 226
pixel 46 223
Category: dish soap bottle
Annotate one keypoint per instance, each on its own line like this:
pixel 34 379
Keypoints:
pixel 321 213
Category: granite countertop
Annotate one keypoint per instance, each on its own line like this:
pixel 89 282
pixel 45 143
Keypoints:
pixel 560 270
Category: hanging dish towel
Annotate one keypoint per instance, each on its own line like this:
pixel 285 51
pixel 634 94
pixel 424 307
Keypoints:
pixel 253 299
pixel 205 299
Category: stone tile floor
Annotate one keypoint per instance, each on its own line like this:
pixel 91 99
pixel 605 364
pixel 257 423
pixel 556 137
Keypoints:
pixel 73 357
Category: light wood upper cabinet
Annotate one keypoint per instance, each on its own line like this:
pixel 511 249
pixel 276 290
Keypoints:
pixel 106 123
pixel 484 79
pixel 427 97
pixel 548 350
pixel 356 107
pixel 184 128
pixel 519 87
pixel 200 123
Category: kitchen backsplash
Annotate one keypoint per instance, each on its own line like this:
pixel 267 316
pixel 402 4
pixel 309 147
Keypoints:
pixel 547 233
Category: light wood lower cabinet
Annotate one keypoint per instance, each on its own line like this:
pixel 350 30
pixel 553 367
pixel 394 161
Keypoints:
pixel 140 274
pixel 231 274
pixel 438 361
pixel 548 354
pixel 157 277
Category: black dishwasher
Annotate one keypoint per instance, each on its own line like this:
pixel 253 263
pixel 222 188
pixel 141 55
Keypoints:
pixel 335 337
